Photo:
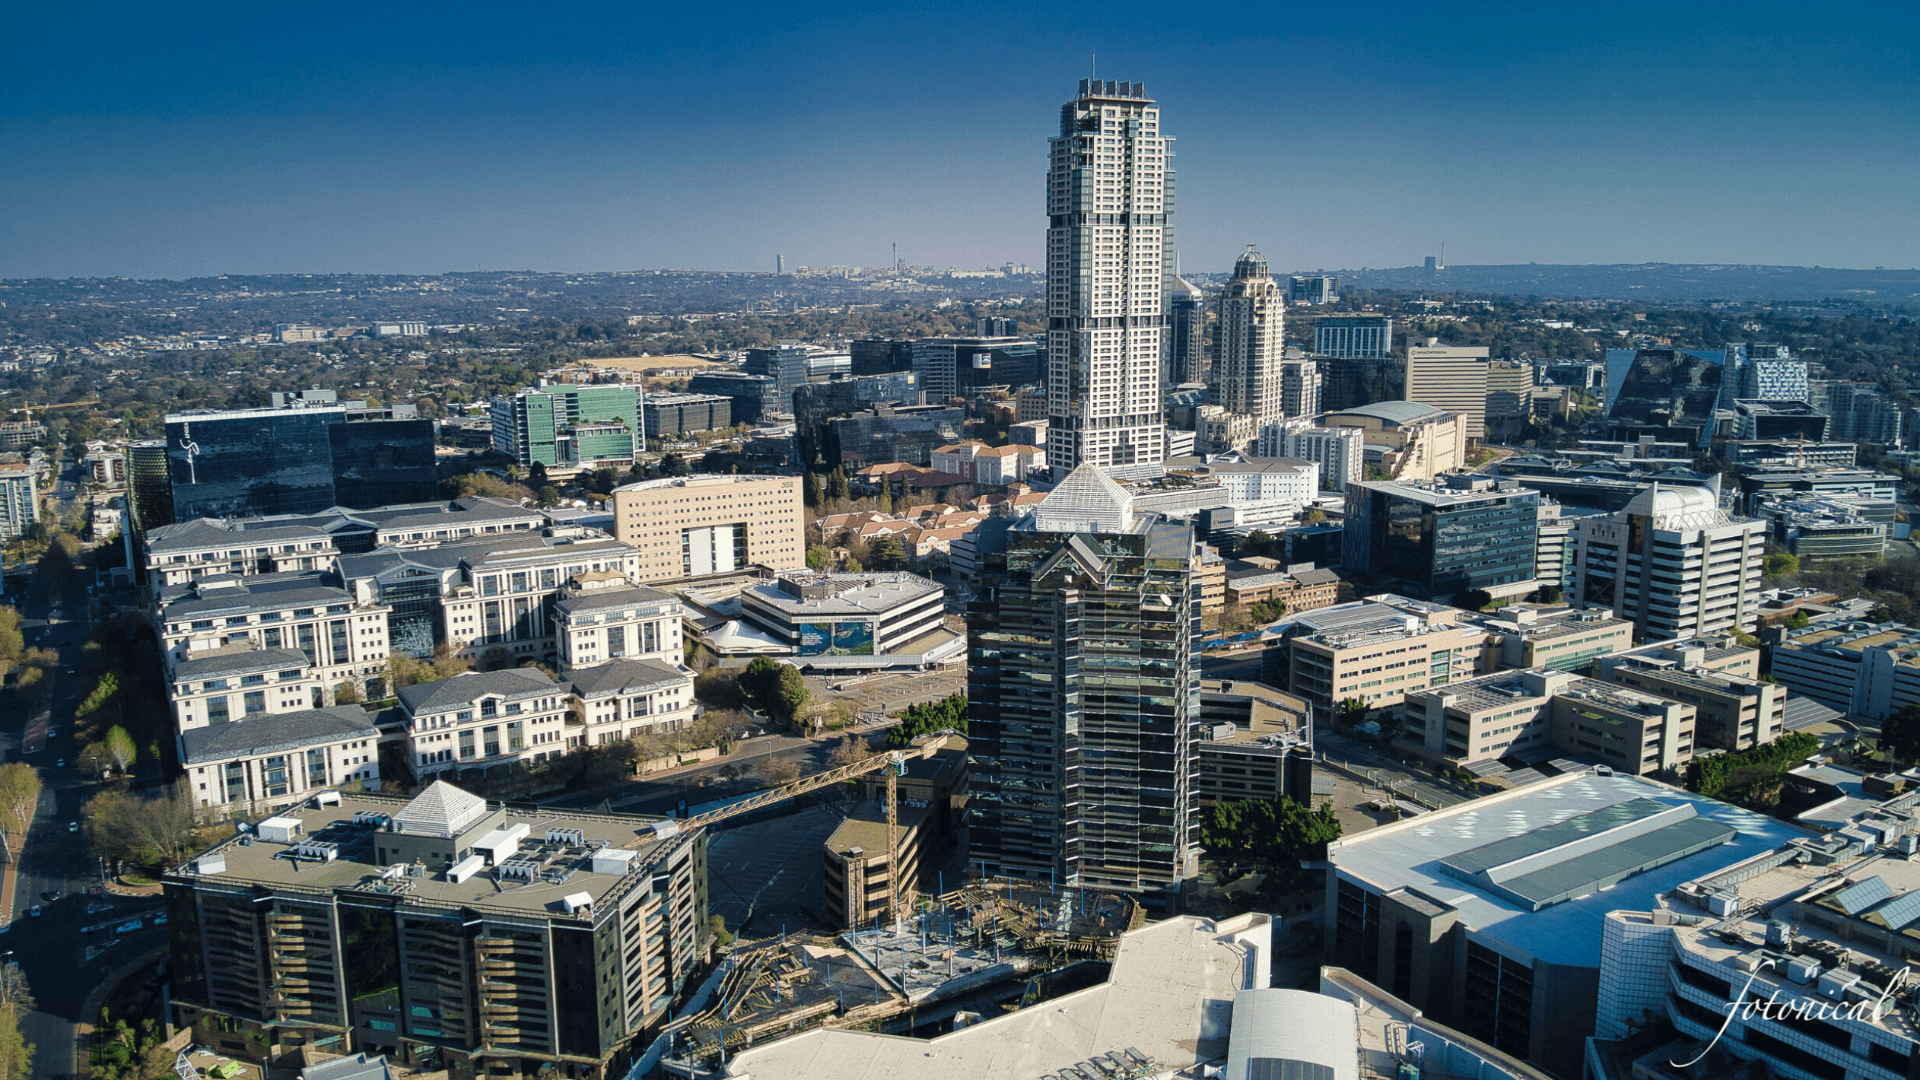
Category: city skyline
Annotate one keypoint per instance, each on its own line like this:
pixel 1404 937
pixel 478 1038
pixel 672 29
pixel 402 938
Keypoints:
pixel 150 146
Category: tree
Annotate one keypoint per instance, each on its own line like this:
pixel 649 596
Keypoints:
pixel 949 713
pixel 105 688
pixel 1274 833
pixel 854 566
pixel 1798 621
pixel 1781 564
pixel 837 483
pixel 818 556
pixel 717 926
pixel 1313 517
pixel 547 495
pixel 141 830
pixel 156 1062
pixel 887 553
pixel 96 759
pixel 1900 733
pixel 791 693
pixel 777 771
pixel 346 694
pixel 61 558
pixel 850 750
pixel 11 641
pixel 674 465
pixel 120 744
pixel 1472 599
pixel 720 688
pixel 537 475
pixel 19 794
pixel 16 1054
pixel 1751 778
pixel 813 489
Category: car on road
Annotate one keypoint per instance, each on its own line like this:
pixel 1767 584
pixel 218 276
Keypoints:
pixel 34 911
pixel 50 895
pixel 73 826
pixel 158 920
pixel 60 764
pixel 127 927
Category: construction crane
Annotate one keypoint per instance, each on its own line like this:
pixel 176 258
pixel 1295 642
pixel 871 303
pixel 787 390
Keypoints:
pixel 893 761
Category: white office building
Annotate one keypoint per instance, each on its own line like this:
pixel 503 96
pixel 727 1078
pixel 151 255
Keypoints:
pixel 1107 213
pixel 1340 452
pixel 1673 563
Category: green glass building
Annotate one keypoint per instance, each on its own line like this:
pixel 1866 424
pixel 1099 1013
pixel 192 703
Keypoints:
pixel 568 426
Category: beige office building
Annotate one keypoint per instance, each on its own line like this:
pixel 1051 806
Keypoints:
pixel 690 526
pixel 1732 714
pixel 1377 650
pixel 1452 378
pixel 1539 713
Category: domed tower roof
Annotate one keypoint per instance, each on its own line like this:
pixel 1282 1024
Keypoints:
pixel 1676 507
pixel 1252 264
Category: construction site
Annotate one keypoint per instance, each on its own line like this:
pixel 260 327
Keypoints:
pixel 989 948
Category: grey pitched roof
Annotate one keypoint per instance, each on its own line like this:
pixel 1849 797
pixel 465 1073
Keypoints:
pixel 357 1067
pixel 468 687
pixel 441 810
pixel 1395 412
pixel 613 598
pixel 265 734
pixel 266 591
pixel 624 676
pixel 238 662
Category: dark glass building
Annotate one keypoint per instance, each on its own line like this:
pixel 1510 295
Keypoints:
pixel 877 356
pixel 152 488
pixel 298 460
pixel 1083 695
pixel 754 396
pixel 1473 532
pixel 446 932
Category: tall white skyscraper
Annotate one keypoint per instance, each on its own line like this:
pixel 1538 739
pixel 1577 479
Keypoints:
pixel 1109 196
pixel 1246 365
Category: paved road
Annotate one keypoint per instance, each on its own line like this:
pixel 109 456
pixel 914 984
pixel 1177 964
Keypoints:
pixel 55 949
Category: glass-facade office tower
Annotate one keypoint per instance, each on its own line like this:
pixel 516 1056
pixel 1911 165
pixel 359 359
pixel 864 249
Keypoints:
pixel 298 460
pixel 1109 198
pixel 1246 365
pixel 1471 533
pixel 1187 360
pixel 1083 692
pixel 1353 336
pixel 150 485
pixel 568 425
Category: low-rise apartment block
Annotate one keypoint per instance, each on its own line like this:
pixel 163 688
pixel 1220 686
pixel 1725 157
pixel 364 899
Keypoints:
pixel 697 525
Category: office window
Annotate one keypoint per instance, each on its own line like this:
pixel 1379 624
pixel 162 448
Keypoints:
pixel 217 710
pixel 255 701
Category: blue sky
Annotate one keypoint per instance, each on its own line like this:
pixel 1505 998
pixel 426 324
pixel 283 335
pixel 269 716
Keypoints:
pixel 173 140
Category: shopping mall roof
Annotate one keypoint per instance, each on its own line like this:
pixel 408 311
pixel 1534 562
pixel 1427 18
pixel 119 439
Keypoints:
pixel 1414 855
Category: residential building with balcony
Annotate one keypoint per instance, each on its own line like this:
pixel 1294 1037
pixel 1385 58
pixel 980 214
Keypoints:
pixel 620 699
pixel 272 760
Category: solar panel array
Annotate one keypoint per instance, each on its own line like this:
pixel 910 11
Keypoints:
pixel 1858 898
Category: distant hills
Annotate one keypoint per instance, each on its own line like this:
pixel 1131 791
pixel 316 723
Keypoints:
pixel 1655 281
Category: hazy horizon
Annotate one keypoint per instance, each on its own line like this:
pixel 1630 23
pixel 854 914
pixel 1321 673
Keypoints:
pixel 153 143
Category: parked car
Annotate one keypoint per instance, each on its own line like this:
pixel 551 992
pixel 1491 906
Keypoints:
pixel 127 927
pixel 34 911
pixel 158 920
pixel 73 826
pixel 60 764
pixel 50 895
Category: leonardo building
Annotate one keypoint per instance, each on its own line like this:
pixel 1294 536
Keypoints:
pixel 1109 197
pixel 1083 695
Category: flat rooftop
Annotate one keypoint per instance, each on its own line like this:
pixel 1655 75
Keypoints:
pixel 1167 999
pixel 251 860
pixel 842 594
pixel 1410 855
